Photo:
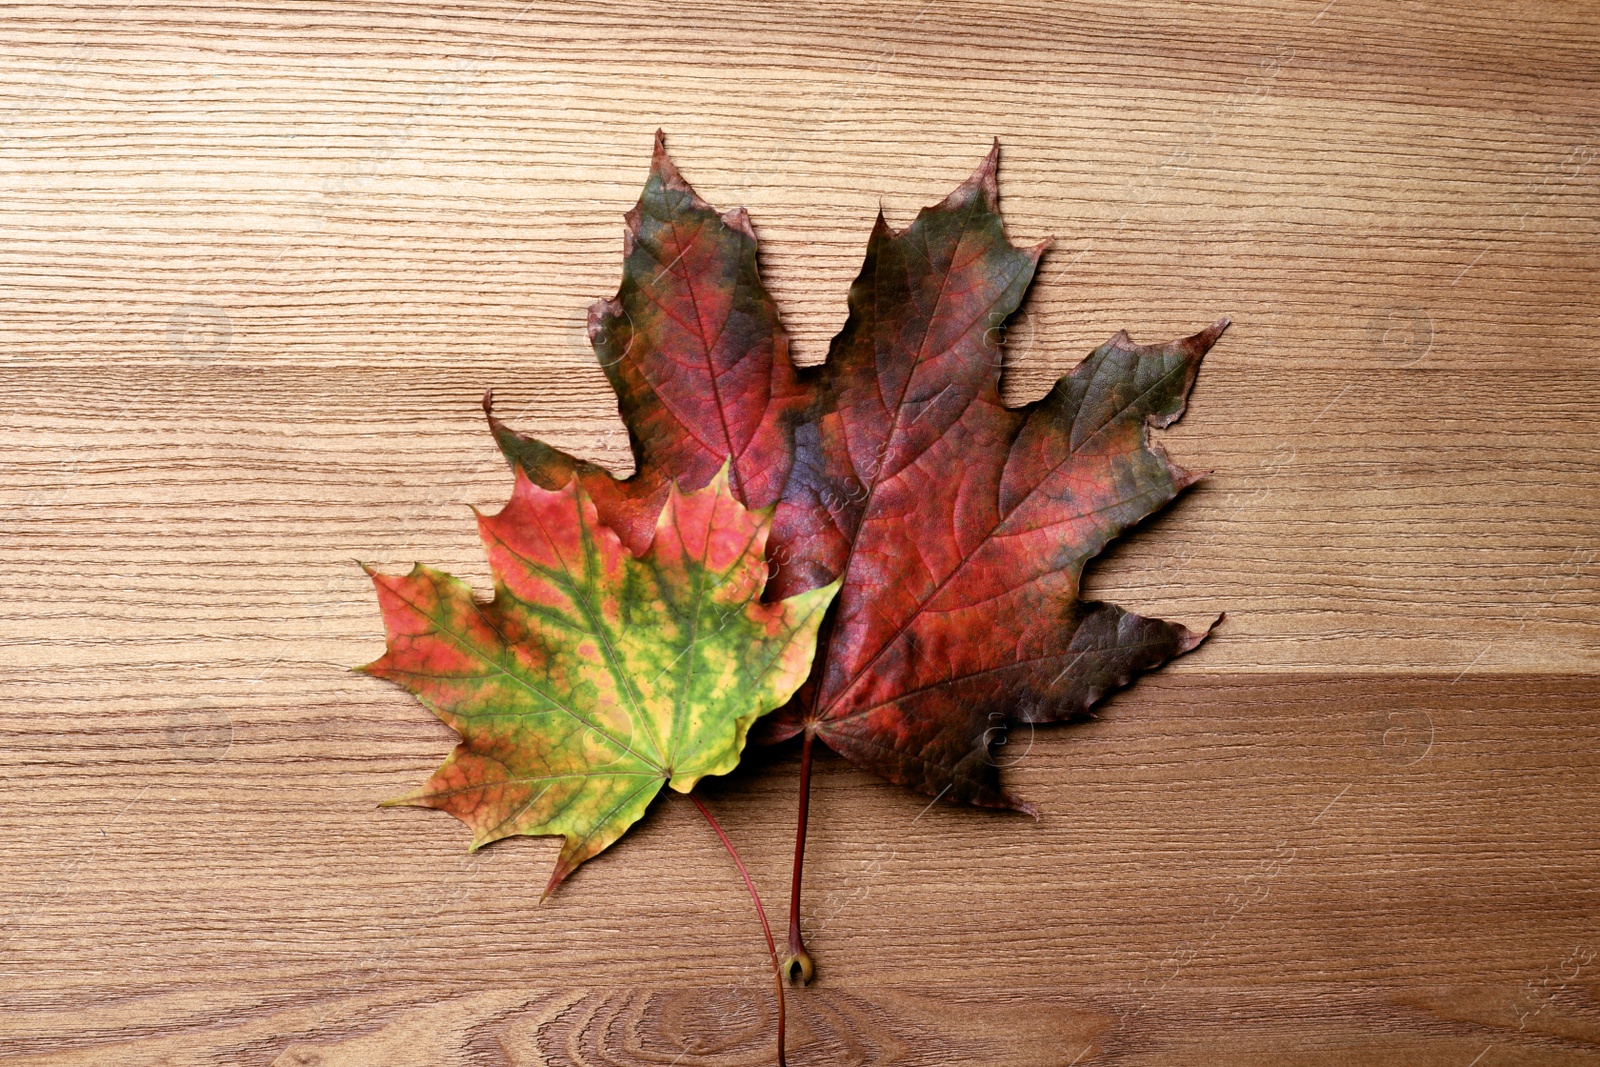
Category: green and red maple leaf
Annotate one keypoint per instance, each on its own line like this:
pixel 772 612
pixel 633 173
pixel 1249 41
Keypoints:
pixel 596 675
pixel 955 530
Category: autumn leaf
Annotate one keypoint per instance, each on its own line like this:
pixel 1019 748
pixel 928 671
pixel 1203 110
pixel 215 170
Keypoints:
pixel 700 365
pixel 961 527
pixel 595 676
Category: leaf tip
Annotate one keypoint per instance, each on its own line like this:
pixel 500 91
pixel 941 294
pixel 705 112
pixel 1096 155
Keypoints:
pixel 557 876
pixel 738 220
pixel 720 480
pixel 662 167
pixel 1208 336
pixel 1192 640
pixel 880 226
pixel 983 181
pixel 660 162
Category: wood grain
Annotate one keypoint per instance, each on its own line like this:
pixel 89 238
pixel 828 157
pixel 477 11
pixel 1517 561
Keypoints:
pixel 259 262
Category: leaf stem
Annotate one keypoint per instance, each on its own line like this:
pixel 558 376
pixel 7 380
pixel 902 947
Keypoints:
pixel 755 898
pixel 798 958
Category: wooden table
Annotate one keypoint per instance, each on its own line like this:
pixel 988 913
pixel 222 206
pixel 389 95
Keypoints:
pixel 260 261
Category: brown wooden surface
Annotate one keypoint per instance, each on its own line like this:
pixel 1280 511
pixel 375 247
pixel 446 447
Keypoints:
pixel 259 262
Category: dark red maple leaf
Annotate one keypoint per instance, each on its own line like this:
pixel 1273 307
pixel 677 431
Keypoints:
pixel 960 527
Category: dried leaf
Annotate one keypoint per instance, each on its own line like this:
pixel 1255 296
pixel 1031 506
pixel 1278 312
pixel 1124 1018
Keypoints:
pixel 595 676
pixel 961 527
pixel 693 348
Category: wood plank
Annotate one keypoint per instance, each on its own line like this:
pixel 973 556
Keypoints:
pixel 1401 856
pixel 260 261
pixel 1441 1027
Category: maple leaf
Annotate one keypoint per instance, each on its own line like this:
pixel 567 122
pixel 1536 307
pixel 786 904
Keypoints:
pixel 959 527
pixel 694 351
pixel 595 675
